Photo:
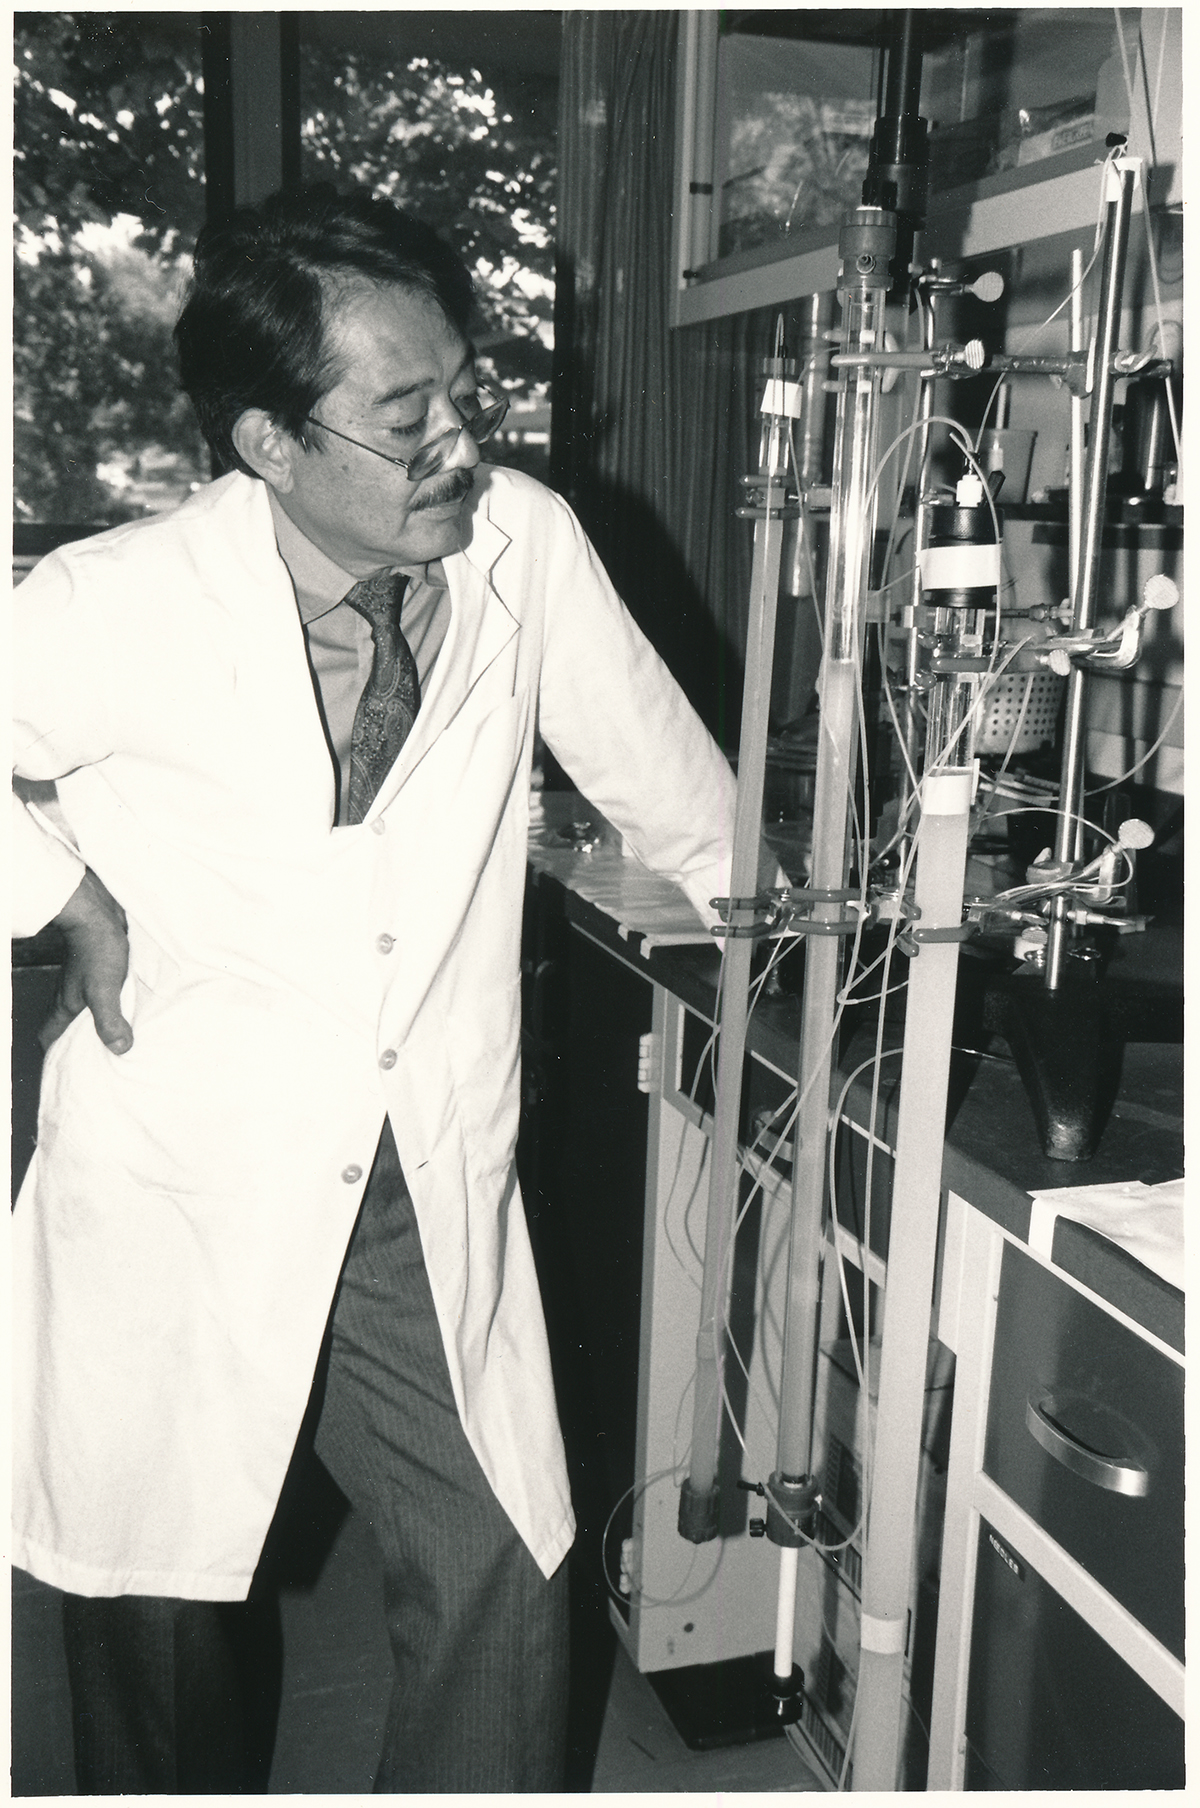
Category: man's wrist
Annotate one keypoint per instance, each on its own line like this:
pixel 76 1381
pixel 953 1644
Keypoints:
pixel 90 899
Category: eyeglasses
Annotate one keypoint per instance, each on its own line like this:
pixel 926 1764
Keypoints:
pixel 482 413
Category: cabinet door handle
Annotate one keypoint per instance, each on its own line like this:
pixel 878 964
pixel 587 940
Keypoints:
pixel 1117 1474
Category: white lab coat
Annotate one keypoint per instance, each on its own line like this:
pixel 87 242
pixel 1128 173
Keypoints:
pixel 179 1235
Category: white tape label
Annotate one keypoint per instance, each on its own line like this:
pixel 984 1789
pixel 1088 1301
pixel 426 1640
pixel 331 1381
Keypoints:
pixel 960 567
pixel 886 1638
pixel 780 397
pixel 947 793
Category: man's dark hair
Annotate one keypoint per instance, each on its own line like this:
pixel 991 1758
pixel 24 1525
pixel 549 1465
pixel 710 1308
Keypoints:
pixel 252 333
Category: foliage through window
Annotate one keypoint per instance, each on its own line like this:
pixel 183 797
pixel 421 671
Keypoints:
pixel 474 156
pixel 109 198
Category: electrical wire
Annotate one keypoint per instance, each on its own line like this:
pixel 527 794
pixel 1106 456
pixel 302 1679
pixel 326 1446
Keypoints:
pixel 910 432
pixel 1151 250
pixel 1008 753
pixel 971 458
pixel 1125 71
pixel 686 1268
pixel 636 1490
pixel 705 1055
pixel 1075 885
pixel 892 991
pixel 1152 259
pixel 791 1105
pixel 723 1328
pixel 856 1353
pixel 1046 809
pixel 1024 339
pixel 943 758
pixel 721 1318
pixel 1153 748
pixel 804 531
pixel 901 737
pixel 794 1100
pixel 868 1177
pixel 861 1357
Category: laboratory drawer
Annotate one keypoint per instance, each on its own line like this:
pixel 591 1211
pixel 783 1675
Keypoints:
pixel 1049 1704
pixel 1085 1432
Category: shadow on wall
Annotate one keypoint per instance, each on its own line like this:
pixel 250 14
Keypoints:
pixel 655 526
pixel 670 608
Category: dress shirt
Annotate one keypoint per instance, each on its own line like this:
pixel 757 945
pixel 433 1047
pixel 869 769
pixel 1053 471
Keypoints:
pixel 339 639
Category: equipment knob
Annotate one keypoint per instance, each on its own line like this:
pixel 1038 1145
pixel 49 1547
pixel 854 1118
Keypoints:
pixel 988 287
pixel 1160 592
pixel 1135 834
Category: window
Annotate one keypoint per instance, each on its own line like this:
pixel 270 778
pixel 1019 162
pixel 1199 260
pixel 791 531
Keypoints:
pixel 794 122
pixel 402 104
pixel 109 196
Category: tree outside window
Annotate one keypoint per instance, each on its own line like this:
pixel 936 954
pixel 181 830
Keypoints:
pixel 109 198
pixel 474 155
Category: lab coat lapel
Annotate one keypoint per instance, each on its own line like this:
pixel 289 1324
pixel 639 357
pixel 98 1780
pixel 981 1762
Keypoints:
pixel 481 626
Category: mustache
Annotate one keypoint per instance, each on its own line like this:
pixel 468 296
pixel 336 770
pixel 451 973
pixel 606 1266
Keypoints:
pixel 455 488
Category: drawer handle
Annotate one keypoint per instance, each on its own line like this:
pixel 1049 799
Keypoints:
pixel 1118 1475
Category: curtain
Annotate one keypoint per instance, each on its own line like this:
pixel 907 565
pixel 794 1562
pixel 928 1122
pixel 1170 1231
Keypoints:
pixel 653 428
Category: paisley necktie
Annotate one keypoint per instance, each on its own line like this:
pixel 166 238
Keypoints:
pixel 388 706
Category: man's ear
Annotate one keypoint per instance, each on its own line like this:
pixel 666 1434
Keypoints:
pixel 269 451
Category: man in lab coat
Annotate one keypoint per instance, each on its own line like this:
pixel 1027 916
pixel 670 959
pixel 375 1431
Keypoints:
pixel 279 1106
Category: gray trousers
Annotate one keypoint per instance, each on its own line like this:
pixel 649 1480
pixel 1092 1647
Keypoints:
pixel 479 1637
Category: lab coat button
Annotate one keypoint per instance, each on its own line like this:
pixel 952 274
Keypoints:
pixel 378 827
pixel 388 1058
pixel 386 943
pixel 352 1174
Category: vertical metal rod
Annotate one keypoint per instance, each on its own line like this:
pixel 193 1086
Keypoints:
pixel 812 417
pixel 1078 438
pixel 698 1502
pixel 910 718
pixel 1078 453
pixel 1120 175
pixel 800 557
pixel 903 92
pixel 867 247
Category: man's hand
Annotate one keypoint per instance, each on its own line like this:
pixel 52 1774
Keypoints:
pixel 95 930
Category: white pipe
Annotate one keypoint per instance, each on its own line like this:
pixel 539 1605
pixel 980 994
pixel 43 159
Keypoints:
pixel 785 1611
pixel 911 1264
pixel 698 1498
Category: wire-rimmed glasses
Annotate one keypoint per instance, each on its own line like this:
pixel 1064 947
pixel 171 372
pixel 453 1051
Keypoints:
pixel 482 413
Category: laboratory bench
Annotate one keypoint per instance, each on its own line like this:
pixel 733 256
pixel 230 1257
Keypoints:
pixel 1046 1643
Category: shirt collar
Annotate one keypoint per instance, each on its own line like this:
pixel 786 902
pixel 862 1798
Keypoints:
pixel 319 583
